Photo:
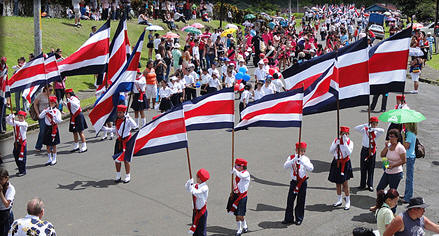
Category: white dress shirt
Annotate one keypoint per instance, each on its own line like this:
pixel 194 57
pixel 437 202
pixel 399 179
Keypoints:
pixel 23 125
pixel 244 180
pixel 245 97
pixel 259 94
pixel 278 85
pixel 304 162
pixel 345 149
pixel 165 92
pixel 75 104
pixel 129 124
pixel 201 193
pixel 229 81
pixel 189 80
pixel 205 78
pixel 139 84
pixel 214 83
pixel 362 129
pixel 56 114
pixel 268 89
pixel 260 74
pixel 9 195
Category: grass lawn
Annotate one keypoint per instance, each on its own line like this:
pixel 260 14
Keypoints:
pixel 434 62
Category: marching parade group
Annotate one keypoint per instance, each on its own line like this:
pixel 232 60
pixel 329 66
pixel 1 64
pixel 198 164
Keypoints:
pixel 212 61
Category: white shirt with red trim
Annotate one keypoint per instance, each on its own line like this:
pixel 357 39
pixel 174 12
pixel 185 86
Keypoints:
pixel 200 191
pixel 305 166
pixel 244 180
pixel 75 104
pixel 56 114
pixel 139 83
pixel 362 129
pixel 23 125
pixel 345 149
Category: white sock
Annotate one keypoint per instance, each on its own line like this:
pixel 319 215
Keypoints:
pixel 76 145
pixel 144 122
pixel 348 202
pixel 138 121
pixel 83 146
pixel 239 224
pixel 244 224
pixel 53 157
pixel 339 199
pixel 105 134
pixel 127 177
pixel 50 157
pixel 117 175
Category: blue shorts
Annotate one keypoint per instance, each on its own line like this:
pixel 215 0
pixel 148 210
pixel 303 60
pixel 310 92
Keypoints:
pixel 242 207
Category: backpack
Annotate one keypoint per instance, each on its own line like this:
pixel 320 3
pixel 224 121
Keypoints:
pixel 33 114
pixel 419 149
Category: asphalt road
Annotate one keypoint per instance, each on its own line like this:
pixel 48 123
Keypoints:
pixel 82 199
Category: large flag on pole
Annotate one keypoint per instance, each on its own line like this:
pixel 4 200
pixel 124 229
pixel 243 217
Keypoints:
pixel 51 68
pixel 210 111
pixel 388 63
pixel 3 83
pixel 305 73
pixel 105 104
pixel 91 57
pixel 274 110
pixel 31 74
pixel 166 132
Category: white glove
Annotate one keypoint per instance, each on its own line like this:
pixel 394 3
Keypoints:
pixel 345 138
pixel 12 116
pixel 232 171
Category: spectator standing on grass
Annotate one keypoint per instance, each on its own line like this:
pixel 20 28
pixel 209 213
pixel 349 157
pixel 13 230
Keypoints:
pixel 76 10
pixel 33 220
pixel 105 9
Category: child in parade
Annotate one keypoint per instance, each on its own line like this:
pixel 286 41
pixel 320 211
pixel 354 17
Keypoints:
pixel 189 81
pixel 205 77
pixel 20 147
pixel 341 168
pixel 368 151
pixel 214 83
pixel 245 97
pixel 165 97
pixel 200 192
pixel 239 204
pixel 52 117
pixel 139 103
pixel 258 93
pixel 77 122
pixel 229 79
pixel 298 165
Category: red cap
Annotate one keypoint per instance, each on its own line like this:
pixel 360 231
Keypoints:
pixel 122 108
pixel 344 129
pixel 241 162
pixel 138 70
pixel 400 97
pixel 261 55
pixel 203 174
pixel 301 145
pixel 4 59
pixel 265 60
pixel 22 113
pixel 374 119
pixel 52 99
pixel 69 90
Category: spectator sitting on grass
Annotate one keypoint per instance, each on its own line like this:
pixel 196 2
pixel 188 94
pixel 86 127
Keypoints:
pixel 142 19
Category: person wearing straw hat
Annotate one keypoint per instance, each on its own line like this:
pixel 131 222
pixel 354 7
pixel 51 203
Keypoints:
pixel 341 168
pixel 298 165
pixel 52 117
pixel 200 192
pixel 77 122
pixel 412 221
pixel 368 151
pixel 20 147
pixel 238 203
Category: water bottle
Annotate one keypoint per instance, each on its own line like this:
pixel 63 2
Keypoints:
pixel 385 163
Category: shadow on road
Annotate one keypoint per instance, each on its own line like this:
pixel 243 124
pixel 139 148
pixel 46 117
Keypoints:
pixel 365 217
pixel 320 207
pixel 267 182
pixel 321 166
pixel 265 207
pixel 35 166
pixel 272 225
pixel 218 230
pixel 81 185
pixel 436 163
pixel 321 188
pixel 363 202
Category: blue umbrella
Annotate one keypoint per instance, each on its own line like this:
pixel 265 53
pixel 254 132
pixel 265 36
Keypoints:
pixel 271 25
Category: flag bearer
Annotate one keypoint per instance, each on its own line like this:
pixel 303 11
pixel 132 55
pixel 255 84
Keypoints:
pixel 298 165
pixel 199 192
pixel 139 103
pixel 341 168
pixel 52 117
pixel 238 205
pixel 77 122
pixel 20 147
pixel 368 151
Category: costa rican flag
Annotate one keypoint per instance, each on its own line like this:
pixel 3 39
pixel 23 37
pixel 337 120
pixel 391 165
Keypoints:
pixel 51 68
pixel 4 88
pixel 29 93
pixel 388 63
pixel 353 74
pixel 31 74
pixel 105 104
pixel 210 111
pixel 321 95
pixel 91 57
pixel 274 110
pixel 166 132
pixel 305 73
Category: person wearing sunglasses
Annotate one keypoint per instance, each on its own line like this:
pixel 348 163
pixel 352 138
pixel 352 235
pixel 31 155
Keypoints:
pixel 41 102
pixel 395 152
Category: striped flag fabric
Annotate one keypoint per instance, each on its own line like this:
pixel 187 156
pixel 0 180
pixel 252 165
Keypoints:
pixel 29 93
pixel 210 111
pixel 388 63
pixel 305 73
pixel 4 88
pixel 321 96
pixel 51 68
pixel 31 74
pixel 91 57
pixel 105 104
pixel 353 74
pixel 166 132
pixel 274 110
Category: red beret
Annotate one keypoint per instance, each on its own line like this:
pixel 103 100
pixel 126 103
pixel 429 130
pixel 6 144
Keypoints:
pixel 22 113
pixel 265 60
pixel 344 129
pixel 374 119
pixel 241 162
pixel 52 99
pixel 203 174
pixel 301 145
pixel 261 55
pixel 69 90
pixel 122 108
pixel 400 97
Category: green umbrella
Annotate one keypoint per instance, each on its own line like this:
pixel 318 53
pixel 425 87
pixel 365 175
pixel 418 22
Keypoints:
pixel 401 116
pixel 249 17
pixel 192 30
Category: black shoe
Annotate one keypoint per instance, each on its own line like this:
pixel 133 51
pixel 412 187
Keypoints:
pixel 370 188
pixel 361 187
pixel 299 222
pixel 336 205
pixel 48 163
pixel 287 222
pixel 126 181
pixel 74 150
pixel 238 234
pixel 118 180
pixel 244 230
pixel 20 174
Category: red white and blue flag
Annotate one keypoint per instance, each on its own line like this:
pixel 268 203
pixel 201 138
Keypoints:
pixel 210 111
pixel 51 68
pixel 4 88
pixel 91 57
pixel 388 63
pixel 274 110
pixel 166 132
pixel 305 73
pixel 29 93
pixel 105 105
pixel 31 74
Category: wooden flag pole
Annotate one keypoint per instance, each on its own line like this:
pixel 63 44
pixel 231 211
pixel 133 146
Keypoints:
pixel 338 126
pixel 233 157
pixel 368 129
pixel 189 162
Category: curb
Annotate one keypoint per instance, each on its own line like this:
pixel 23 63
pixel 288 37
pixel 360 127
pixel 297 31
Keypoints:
pixel 36 125
pixel 429 81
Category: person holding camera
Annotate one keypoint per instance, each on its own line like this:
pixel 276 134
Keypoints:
pixel 7 195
